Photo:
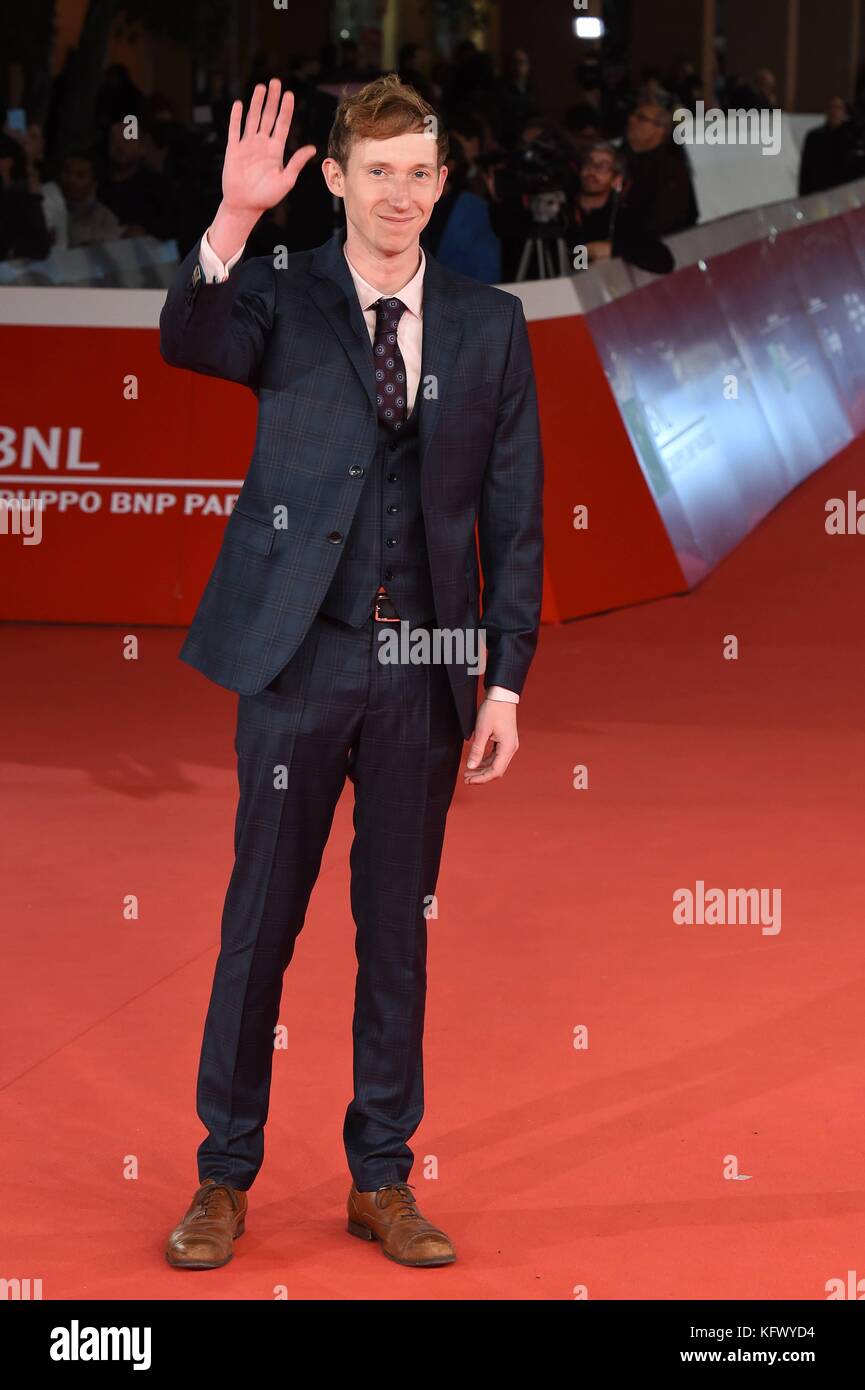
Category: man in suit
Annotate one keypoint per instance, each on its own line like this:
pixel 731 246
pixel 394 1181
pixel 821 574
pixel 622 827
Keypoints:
pixel 396 409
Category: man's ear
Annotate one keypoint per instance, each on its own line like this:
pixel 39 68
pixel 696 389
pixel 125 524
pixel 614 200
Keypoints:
pixel 443 175
pixel 333 177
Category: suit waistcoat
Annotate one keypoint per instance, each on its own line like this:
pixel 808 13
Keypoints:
pixel 386 543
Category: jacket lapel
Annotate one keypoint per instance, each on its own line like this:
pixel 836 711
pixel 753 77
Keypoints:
pixel 442 335
pixel 334 293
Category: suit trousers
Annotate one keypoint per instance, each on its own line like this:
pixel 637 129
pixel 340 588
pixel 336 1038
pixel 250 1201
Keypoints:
pixel 335 711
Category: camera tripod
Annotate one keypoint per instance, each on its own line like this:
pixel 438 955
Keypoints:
pixel 543 247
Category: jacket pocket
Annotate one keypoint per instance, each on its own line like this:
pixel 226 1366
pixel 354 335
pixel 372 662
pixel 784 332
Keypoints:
pixel 249 532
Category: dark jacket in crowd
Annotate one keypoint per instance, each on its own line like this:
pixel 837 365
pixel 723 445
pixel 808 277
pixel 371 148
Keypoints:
pixel 144 199
pixel 827 158
pixel 658 188
pixel 628 233
pixel 23 230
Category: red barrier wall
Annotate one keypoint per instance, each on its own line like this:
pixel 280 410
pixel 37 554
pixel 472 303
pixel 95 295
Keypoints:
pixel 109 565
pixel 638 427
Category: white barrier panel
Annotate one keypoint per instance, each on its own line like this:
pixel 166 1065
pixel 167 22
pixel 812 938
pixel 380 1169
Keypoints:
pixel 733 178
pixel 130 262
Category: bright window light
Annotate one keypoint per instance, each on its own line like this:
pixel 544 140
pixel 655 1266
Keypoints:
pixel 589 28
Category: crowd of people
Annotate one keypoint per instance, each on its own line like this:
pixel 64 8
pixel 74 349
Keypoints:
pixel 524 191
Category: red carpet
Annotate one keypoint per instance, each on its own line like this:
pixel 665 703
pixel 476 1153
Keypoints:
pixel 557 1167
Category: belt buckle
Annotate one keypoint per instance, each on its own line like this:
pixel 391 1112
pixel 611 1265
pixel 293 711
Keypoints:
pixel 378 615
pixel 380 618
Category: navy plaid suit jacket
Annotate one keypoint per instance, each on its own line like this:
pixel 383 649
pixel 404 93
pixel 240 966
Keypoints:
pixel 297 337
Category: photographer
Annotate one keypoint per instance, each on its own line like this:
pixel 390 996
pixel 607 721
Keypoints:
pixel 658 186
pixel 531 191
pixel 604 226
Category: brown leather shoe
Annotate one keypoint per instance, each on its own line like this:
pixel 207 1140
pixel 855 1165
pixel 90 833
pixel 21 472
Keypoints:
pixel 203 1240
pixel 390 1214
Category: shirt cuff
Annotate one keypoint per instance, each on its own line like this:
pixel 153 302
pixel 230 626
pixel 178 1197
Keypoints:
pixel 498 692
pixel 212 268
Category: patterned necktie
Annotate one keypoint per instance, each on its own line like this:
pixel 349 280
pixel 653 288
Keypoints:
pixel 391 394
pixel 391 385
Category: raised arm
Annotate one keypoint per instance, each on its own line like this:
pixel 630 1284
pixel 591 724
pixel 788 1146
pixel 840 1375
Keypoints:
pixel 221 328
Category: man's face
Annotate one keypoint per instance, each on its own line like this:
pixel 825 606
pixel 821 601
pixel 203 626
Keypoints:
pixel 520 65
pixel 390 188
pixel 764 81
pixel 836 112
pixel 647 128
pixel 77 180
pixel 597 175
